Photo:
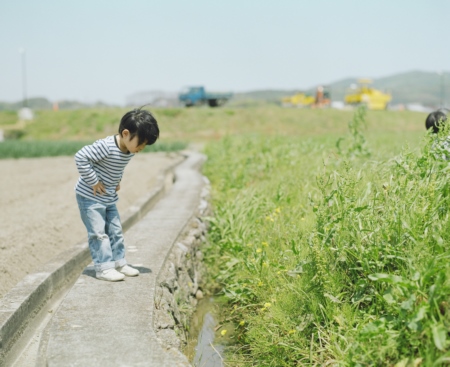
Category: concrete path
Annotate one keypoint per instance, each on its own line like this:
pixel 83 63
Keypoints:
pixel 27 308
pixel 111 324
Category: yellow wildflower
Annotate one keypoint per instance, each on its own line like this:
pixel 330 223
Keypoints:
pixel 258 250
pixel 242 323
pixel 291 332
pixel 265 244
pixel 260 284
pixel 277 210
pixel 223 332
pixel 267 304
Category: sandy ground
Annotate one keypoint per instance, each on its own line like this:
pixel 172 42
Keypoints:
pixel 39 216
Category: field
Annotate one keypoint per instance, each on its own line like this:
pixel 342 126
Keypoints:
pixel 330 229
pixel 204 125
pixel 331 248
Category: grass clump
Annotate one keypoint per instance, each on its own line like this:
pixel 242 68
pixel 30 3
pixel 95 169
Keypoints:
pixel 328 257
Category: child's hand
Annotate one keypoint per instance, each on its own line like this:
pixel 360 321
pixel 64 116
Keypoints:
pixel 118 187
pixel 99 188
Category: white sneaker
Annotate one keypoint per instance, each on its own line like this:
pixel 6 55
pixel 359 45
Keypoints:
pixel 111 275
pixel 128 271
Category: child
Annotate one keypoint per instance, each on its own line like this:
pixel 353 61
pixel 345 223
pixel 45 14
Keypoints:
pixel 101 168
pixel 434 120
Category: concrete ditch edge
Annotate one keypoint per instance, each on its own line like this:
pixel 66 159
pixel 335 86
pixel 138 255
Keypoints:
pixel 180 281
pixel 82 331
pixel 21 308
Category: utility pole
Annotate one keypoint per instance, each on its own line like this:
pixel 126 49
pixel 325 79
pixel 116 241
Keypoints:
pixel 24 77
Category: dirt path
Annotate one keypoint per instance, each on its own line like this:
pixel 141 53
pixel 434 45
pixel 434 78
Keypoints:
pixel 39 215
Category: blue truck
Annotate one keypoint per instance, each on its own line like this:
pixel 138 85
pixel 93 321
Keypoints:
pixel 197 96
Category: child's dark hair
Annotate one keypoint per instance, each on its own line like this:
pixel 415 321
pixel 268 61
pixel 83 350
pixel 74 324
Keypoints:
pixel 141 123
pixel 435 120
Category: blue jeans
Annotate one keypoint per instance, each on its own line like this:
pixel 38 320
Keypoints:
pixel 105 235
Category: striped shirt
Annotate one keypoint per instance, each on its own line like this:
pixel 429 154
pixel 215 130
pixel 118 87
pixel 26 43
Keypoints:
pixel 102 161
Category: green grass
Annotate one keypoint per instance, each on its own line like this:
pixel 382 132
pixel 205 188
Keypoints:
pixel 36 149
pixel 8 118
pixel 55 133
pixel 208 124
pixel 332 256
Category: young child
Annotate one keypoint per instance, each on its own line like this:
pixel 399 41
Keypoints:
pixel 101 167
pixel 434 120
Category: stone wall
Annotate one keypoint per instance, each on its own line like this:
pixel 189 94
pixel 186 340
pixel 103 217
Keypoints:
pixel 180 282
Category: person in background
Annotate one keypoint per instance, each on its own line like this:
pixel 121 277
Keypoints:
pixel 435 119
pixel 435 122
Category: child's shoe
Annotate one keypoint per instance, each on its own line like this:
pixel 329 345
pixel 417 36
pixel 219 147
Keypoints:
pixel 128 271
pixel 111 275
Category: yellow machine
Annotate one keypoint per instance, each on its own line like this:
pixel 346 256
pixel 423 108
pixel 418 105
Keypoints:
pixel 372 98
pixel 298 100
pixel 321 99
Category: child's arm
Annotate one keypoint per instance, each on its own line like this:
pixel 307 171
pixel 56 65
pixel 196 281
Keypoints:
pixel 84 159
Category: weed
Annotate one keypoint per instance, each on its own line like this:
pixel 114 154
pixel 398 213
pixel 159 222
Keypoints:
pixel 329 259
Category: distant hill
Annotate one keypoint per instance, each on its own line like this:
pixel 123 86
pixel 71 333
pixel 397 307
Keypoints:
pixel 410 87
pixel 41 103
pixel 414 87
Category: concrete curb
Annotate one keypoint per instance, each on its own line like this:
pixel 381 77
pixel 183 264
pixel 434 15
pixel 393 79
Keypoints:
pixel 21 308
pixel 106 323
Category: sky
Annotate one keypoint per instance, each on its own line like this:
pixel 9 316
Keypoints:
pixel 106 50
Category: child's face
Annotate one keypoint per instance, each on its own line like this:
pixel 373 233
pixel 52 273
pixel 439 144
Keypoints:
pixel 131 144
pixel 133 147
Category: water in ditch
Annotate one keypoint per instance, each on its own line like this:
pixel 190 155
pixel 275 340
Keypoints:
pixel 206 344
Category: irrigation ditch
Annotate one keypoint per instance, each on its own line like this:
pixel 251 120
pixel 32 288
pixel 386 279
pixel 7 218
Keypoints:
pixel 185 315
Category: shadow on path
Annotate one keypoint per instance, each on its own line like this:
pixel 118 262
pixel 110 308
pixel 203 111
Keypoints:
pixel 90 271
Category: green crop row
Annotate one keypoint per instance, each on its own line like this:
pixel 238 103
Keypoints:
pixel 38 148
pixel 331 250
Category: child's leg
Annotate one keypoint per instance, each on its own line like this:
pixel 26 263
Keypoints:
pixel 93 215
pixel 115 234
pixel 114 231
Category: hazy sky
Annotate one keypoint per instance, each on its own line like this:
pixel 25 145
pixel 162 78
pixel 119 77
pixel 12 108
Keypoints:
pixel 92 50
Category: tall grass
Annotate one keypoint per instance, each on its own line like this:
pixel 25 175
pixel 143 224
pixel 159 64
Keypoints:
pixel 332 256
